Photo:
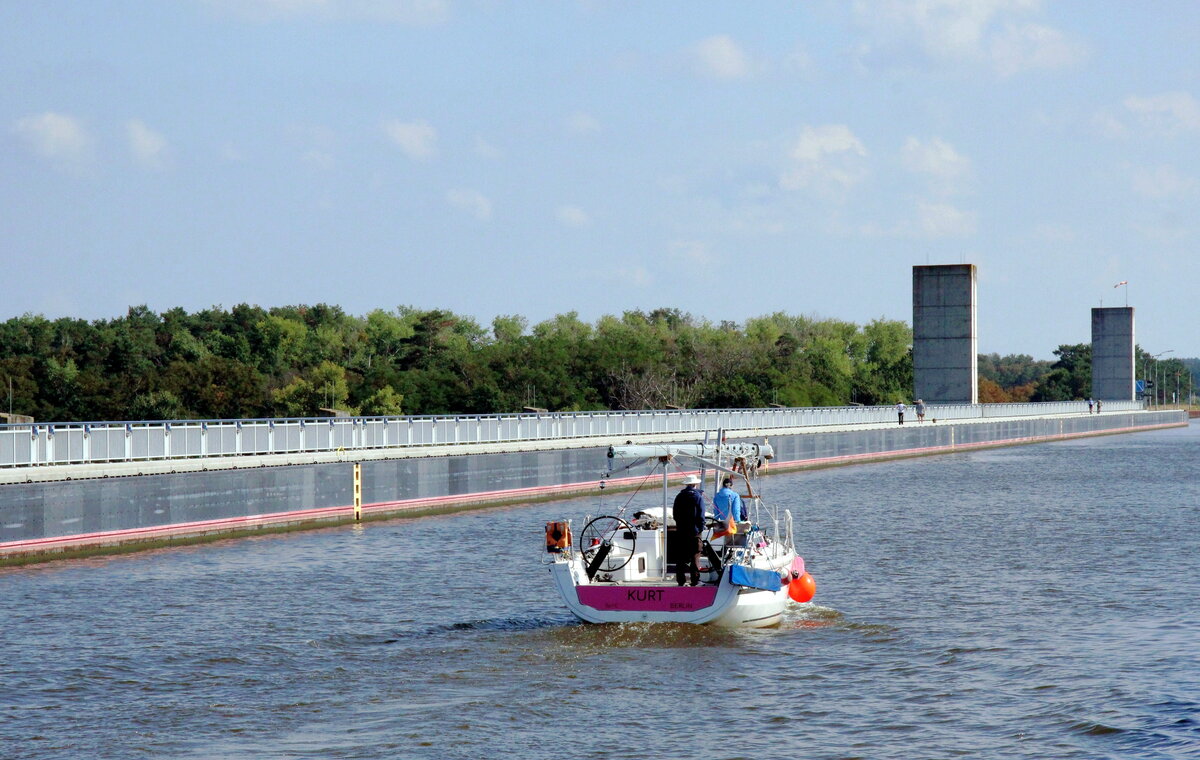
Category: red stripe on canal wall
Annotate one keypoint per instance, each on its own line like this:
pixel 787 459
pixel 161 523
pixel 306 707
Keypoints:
pixel 174 530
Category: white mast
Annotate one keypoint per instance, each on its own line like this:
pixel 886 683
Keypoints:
pixel 664 525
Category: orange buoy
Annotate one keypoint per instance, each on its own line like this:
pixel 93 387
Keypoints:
pixel 802 589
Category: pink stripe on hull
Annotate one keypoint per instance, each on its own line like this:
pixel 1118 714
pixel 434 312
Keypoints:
pixel 647 598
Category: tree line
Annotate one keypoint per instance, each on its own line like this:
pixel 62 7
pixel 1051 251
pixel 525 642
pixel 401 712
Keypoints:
pixel 248 362
pixel 1022 378
pixel 292 361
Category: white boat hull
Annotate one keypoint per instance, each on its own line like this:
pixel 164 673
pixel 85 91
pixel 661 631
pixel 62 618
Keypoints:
pixel 724 604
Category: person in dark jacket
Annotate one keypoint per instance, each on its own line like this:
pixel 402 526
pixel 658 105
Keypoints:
pixel 688 512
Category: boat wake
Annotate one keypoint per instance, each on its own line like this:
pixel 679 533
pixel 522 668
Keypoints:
pixel 638 636
pixel 512 624
pixel 811 616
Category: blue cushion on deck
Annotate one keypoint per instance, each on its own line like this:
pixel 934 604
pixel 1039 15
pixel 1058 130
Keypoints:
pixel 767 580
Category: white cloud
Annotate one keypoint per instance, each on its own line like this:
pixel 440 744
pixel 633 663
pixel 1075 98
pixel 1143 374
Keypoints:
pixel 1168 113
pixel 582 123
pixel 573 216
pixel 982 32
pixel 418 139
pixel 54 136
pixel 471 201
pixel 1108 125
pixel 939 220
pixel 315 143
pixel 1160 182
pixel 817 143
pixel 406 12
pixel 1032 46
pixel 149 148
pixel 825 157
pixel 942 28
pixel 720 57
pixel 936 159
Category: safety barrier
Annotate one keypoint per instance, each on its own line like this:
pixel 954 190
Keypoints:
pixel 99 442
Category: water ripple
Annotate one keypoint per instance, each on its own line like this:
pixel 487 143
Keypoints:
pixel 1021 603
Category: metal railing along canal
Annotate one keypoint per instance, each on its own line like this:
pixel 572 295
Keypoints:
pixel 27 445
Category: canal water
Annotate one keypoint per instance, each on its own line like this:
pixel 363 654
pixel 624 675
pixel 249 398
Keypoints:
pixel 1029 602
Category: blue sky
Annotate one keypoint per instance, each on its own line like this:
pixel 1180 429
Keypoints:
pixel 488 157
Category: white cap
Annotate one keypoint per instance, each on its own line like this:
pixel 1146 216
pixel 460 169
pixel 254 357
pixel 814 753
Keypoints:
pixel 691 480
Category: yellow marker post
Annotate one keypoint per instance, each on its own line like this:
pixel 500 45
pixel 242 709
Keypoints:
pixel 357 491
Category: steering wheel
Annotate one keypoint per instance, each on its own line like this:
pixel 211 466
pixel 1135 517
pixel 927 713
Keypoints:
pixel 600 531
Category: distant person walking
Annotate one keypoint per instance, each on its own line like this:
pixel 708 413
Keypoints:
pixel 1097 406
pixel 920 410
pixel 900 411
pixel 1091 403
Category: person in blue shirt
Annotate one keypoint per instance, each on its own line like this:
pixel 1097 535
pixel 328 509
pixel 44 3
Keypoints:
pixel 727 504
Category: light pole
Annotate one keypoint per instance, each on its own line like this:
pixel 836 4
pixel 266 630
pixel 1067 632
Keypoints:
pixel 1161 353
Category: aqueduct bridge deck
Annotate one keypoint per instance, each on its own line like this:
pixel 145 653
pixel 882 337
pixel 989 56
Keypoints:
pixel 82 486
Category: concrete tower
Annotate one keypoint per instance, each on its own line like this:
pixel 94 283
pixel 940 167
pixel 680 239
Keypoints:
pixel 1112 354
pixel 945 347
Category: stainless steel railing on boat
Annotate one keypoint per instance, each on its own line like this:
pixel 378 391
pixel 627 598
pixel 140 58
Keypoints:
pixel 29 445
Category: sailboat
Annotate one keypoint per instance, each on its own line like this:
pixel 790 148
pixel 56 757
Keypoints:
pixel 619 570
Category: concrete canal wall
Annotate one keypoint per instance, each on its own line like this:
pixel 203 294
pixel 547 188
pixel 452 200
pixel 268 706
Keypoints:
pixel 71 508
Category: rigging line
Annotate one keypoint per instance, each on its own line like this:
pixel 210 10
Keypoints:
pixel 624 506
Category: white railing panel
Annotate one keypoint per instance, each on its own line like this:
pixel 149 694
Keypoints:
pixel 9 448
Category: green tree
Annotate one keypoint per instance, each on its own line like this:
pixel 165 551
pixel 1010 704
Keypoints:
pixel 63 391
pixel 1070 378
pixel 157 405
pixel 509 327
pixel 280 343
pixel 324 386
pixel 384 402
pixel 883 374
